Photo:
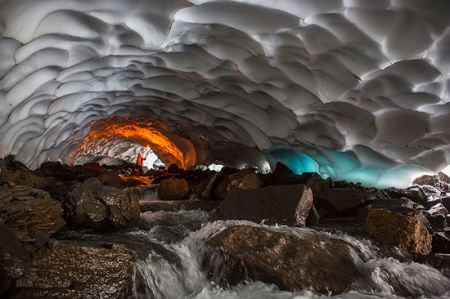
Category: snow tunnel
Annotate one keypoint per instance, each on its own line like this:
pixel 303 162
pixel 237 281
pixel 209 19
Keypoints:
pixel 354 90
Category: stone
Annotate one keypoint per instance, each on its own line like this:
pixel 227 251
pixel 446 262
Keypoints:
pixel 92 205
pixel 438 209
pixel 176 205
pixel 203 189
pixel 71 270
pixel 289 205
pixel 173 168
pixel 416 194
pixel 345 201
pixel 173 189
pixel 243 179
pixel 313 261
pixel 431 180
pixel 441 242
pixel 110 178
pixel 31 214
pixel 25 177
pixel 407 232
pixel 14 259
pixel 443 177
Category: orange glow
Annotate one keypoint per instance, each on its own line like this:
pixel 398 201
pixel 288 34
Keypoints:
pixel 137 130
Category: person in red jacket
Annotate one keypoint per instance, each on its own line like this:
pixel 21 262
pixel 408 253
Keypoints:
pixel 139 163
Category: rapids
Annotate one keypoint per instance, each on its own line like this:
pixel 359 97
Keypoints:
pixel 172 268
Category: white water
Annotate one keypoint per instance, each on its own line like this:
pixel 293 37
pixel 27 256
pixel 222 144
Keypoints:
pixel 178 274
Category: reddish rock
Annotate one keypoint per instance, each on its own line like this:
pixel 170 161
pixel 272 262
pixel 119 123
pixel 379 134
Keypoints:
pixel 404 231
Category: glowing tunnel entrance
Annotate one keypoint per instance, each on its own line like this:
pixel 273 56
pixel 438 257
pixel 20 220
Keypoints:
pixel 123 138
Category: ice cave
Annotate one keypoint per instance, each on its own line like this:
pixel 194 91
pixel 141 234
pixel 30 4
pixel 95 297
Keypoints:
pixel 225 149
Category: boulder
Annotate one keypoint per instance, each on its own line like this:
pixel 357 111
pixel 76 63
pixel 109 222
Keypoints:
pixel 289 205
pixel 203 187
pixel 243 179
pixel 110 178
pixel 173 189
pixel 25 177
pixel 441 242
pixel 399 228
pixel 416 194
pixel 177 205
pixel 92 205
pixel 14 260
pixel 443 177
pixel 71 270
pixel 31 214
pixel 313 261
pixel 345 201
pixel 431 180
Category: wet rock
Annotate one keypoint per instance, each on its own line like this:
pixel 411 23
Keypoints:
pixel 344 201
pixel 311 261
pixel 243 179
pixel 14 260
pixel 72 270
pixel 289 205
pixel 173 189
pixel 31 214
pixel 92 205
pixel 401 229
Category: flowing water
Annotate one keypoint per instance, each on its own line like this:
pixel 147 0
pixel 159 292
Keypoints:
pixel 175 269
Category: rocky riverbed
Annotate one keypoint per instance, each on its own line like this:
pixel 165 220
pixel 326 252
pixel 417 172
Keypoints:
pixel 95 231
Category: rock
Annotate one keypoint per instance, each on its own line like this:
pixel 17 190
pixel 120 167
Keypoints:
pixel 313 217
pixel 416 194
pixel 387 204
pixel 345 201
pixel 204 188
pixel 438 209
pixel 173 168
pixel 92 205
pixel 441 242
pixel 289 205
pixel 437 222
pixel 443 177
pixel 14 260
pixel 405 231
pixel 110 178
pixel 173 189
pixel 250 181
pixel 243 179
pixel 71 270
pixel 431 180
pixel 281 170
pixel 176 205
pixel 25 177
pixel 31 214
pixel 315 262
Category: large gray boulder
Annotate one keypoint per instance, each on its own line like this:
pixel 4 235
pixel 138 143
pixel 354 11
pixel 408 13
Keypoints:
pixel 289 205
pixel 92 205
pixel 313 261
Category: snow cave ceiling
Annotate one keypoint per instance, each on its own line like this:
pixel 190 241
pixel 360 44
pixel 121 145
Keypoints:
pixel 353 89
